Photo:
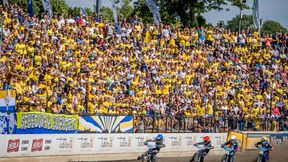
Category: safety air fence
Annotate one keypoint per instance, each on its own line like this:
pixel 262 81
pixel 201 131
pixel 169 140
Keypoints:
pixel 18 145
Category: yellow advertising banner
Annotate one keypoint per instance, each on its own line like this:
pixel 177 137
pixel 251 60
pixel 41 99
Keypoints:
pixel 39 122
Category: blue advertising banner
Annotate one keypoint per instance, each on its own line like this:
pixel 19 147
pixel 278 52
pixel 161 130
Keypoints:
pixel 45 123
pixel 7 123
pixel 106 124
pixel 7 108
pixel 278 138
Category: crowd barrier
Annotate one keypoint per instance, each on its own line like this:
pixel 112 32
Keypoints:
pixel 247 140
pixel 13 122
pixel 86 144
pixel 47 123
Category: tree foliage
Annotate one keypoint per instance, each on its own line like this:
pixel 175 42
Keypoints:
pixel 58 6
pixel 233 25
pixel 187 11
pixel 106 13
pixel 271 27
pixel 124 8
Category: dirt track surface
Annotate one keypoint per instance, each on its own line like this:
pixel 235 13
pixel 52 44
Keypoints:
pixel 279 154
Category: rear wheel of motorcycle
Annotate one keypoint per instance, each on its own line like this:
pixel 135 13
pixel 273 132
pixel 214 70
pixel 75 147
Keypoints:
pixel 259 159
pixel 224 158
pixel 153 158
pixel 193 158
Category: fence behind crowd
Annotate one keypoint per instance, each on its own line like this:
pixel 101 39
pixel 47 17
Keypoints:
pixel 12 122
pixel 205 124
pixel 47 123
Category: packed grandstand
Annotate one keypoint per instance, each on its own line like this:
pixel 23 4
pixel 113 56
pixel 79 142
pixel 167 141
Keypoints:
pixel 204 79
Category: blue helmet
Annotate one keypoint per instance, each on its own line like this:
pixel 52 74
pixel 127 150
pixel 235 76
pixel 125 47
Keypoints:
pixel 159 137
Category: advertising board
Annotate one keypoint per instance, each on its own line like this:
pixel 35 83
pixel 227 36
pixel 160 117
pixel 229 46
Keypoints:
pixel 77 144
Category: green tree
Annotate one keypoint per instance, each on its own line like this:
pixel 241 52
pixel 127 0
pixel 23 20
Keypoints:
pixel 221 24
pixel 247 21
pixel 239 4
pixel 37 5
pixel 89 12
pixel 106 13
pixel 271 27
pixel 184 10
pixel 58 6
pixel 74 11
pixel 125 8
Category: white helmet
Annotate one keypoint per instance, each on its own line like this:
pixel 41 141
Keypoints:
pixel 233 138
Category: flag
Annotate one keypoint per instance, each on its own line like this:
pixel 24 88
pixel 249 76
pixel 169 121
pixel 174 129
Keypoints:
pixel 256 17
pixel 97 10
pixel 154 10
pixel 30 8
pixel 117 28
pixel 5 2
pixel 47 7
pixel 83 11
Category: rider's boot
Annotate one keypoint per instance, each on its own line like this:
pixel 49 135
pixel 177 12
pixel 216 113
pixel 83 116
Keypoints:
pixel 140 157
pixel 192 158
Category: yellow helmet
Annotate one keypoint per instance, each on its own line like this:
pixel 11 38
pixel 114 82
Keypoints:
pixel 264 138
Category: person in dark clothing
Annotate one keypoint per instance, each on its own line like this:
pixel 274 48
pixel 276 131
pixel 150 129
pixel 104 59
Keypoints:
pixel 158 145
pixel 266 145
pixel 203 152
pixel 233 145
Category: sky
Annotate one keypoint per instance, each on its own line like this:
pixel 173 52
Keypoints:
pixel 269 10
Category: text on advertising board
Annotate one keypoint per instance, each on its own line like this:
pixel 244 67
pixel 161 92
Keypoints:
pixel 37 145
pixel 13 145
pixel 47 121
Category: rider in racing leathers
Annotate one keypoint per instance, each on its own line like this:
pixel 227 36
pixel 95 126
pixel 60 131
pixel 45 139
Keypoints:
pixel 207 144
pixel 233 144
pixel 158 143
pixel 265 144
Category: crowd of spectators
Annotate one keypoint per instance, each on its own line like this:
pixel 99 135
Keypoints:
pixel 78 65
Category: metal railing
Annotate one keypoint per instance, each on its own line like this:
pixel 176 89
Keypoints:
pixel 185 124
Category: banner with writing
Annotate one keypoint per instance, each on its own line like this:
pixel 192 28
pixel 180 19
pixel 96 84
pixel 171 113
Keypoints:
pixel 45 123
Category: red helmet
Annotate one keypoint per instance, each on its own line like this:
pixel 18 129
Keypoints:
pixel 206 138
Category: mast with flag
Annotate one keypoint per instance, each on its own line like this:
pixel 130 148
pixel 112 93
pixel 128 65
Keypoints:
pixel 97 8
pixel 256 17
pixel 30 8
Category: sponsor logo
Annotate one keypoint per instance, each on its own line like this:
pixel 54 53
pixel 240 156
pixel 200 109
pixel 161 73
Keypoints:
pixel 106 142
pixel 24 148
pixel 140 141
pixel 47 148
pixel 48 142
pixel 125 141
pixel 65 143
pixel 25 142
pixel 190 140
pixel 86 142
pixel 37 145
pixel 219 140
pixel 13 145
pixel 175 141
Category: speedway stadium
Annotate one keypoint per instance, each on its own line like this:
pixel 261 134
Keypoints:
pixel 143 80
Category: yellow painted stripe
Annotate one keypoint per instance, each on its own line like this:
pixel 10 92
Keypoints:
pixel 4 93
pixel 126 125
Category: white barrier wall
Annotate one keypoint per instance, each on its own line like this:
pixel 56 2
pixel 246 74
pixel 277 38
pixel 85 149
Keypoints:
pixel 79 144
